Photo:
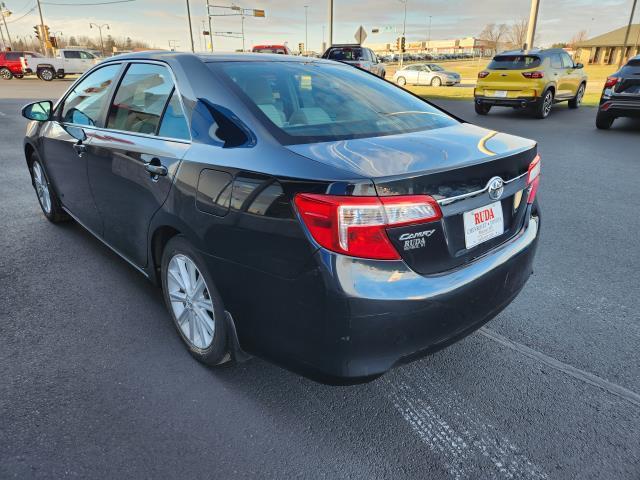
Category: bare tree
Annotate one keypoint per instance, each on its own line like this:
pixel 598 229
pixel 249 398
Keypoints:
pixel 518 33
pixel 493 34
pixel 581 36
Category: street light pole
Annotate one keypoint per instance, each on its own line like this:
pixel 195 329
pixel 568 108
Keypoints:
pixel 100 27
pixel 531 28
pixel 404 31
pixel 193 48
pixel 626 35
pixel 429 34
pixel 306 27
pixel 210 26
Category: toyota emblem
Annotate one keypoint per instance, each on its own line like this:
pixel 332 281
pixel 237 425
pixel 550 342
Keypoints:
pixel 495 187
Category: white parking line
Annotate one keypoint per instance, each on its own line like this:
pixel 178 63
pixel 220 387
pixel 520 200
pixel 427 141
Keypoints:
pixel 590 378
pixel 462 439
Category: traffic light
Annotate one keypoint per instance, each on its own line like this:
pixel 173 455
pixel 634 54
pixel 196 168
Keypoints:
pixel 301 47
pixel 46 32
pixel 398 44
pixel 402 44
pixel 36 29
pixel 54 42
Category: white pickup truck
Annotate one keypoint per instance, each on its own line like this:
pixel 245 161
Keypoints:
pixel 68 61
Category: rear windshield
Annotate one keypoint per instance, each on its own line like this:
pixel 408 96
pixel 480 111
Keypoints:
pixel 314 102
pixel 270 50
pixel 634 63
pixel 514 62
pixel 345 54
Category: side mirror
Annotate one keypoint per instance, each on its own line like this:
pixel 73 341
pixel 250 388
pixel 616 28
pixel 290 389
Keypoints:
pixel 76 132
pixel 578 65
pixel 38 111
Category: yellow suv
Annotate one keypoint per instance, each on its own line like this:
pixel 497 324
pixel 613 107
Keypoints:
pixel 532 80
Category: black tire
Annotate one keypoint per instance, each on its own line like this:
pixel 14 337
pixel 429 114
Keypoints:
pixel 604 120
pixel 577 100
pixel 542 108
pixel 55 214
pixel 482 109
pixel 5 73
pixel 61 75
pixel 401 81
pixel 217 352
pixel 19 77
pixel 436 82
pixel 46 74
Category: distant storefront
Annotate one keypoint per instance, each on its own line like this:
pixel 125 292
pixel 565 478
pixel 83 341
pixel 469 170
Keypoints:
pixel 468 45
pixel 606 49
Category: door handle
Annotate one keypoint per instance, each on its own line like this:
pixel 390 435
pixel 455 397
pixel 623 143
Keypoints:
pixel 80 148
pixel 154 168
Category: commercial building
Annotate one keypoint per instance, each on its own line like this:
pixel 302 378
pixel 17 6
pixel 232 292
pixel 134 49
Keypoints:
pixel 606 49
pixel 470 45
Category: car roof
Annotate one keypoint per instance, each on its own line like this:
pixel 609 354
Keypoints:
pixel 218 57
pixel 533 51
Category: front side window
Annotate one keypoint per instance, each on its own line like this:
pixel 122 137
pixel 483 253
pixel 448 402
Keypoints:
pixel 566 61
pixel 556 61
pixel 86 56
pixel 140 99
pixel 87 99
pixel 313 102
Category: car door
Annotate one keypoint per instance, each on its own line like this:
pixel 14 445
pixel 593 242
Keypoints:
pixel 87 60
pixel 83 107
pixel 560 77
pixel 71 61
pixel 573 76
pixel 424 75
pixel 132 161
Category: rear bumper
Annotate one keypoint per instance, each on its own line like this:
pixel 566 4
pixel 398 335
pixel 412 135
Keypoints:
pixel 521 102
pixel 621 107
pixel 385 314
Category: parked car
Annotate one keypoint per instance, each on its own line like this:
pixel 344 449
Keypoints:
pixel 358 56
pixel 279 49
pixel 68 61
pixel 300 210
pixel 621 95
pixel 425 74
pixel 11 64
pixel 533 80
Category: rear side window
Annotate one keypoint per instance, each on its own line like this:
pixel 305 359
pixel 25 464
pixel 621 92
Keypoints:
pixel 13 55
pixel 514 62
pixel 141 98
pixel 174 123
pixel 556 61
pixel 72 54
pixel 85 102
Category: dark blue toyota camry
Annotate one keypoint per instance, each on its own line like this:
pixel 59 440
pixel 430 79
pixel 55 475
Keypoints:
pixel 296 209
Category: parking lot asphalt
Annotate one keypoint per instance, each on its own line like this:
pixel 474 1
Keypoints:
pixel 94 382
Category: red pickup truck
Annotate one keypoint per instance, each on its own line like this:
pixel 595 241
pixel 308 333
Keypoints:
pixel 11 66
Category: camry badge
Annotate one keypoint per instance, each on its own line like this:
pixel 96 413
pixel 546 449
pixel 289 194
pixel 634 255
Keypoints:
pixel 495 187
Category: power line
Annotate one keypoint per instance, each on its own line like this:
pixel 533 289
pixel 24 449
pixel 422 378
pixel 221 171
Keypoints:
pixel 87 4
pixel 20 18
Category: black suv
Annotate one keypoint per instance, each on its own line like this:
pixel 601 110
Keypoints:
pixel 620 95
pixel 358 56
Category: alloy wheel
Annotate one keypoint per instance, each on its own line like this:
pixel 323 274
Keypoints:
pixel 46 75
pixel 436 82
pixel 5 74
pixel 548 103
pixel 190 301
pixel 42 188
pixel 580 95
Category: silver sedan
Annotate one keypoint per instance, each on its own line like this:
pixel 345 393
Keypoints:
pixel 425 74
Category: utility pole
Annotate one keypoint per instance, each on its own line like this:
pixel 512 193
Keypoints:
pixel 2 38
pixel 100 27
pixel 626 35
pixel 330 23
pixel 324 45
pixel 43 40
pixel 193 48
pixel 429 34
pixel 4 13
pixel 404 31
pixel 531 29
pixel 210 26
pixel 306 27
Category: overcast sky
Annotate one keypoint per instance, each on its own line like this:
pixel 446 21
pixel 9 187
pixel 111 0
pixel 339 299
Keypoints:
pixel 157 21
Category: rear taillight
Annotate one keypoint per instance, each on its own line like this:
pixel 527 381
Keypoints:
pixel 536 74
pixel 611 81
pixel 355 226
pixel 483 74
pixel 533 178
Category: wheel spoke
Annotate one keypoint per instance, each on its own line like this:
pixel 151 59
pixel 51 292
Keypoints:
pixel 177 296
pixel 205 321
pixel 204 304
pixel 186 280
pixel 198 287
pixel 176 277
pixel 182 317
